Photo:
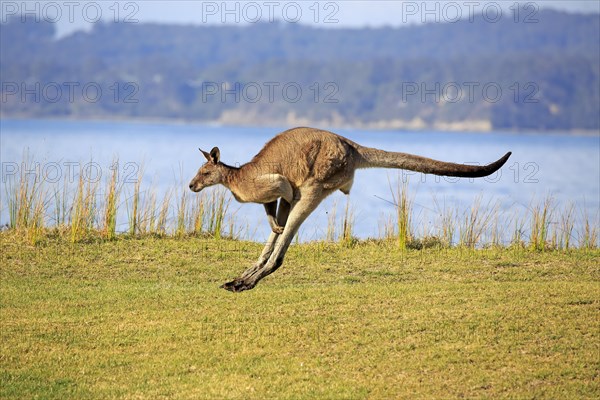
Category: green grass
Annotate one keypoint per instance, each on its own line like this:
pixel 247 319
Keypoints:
pixel 144 318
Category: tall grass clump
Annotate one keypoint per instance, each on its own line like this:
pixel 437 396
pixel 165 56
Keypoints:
pixel 37 222
pixel 347 226
pixel 197 215
pixel 588 239
pixel 111 198
pixel 148 216
pixel 387 227
pixel 62 205
pixel 133 203
pixel 343 234
pixel 218 204
pixel 404 206
pixel 499 224
pixel 446 223
pixel 330 233
pixel 518 221
pixel 475 222
pixel 84 208
pixel 26 199
pixel 541 215
pixel 207 213
pixel 234 229
pixel 163 215
pixel 181 214
pixel 567 223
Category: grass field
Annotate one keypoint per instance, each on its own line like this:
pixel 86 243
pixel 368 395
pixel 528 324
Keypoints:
pixel 144 318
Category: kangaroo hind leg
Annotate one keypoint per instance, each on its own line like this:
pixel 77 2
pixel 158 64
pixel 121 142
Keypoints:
pixel 276 250
pixel 271 209
pixel 269 188
pixel 283 212
pixel 282 215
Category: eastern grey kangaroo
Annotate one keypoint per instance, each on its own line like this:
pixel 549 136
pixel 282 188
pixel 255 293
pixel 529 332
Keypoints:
pixel 301 167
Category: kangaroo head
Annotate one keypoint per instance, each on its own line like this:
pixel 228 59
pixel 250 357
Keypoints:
pixel 209 174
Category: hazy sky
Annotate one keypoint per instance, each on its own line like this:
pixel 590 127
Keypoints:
pixel 74 15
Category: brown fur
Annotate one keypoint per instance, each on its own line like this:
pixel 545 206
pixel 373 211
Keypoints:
pixel 301 167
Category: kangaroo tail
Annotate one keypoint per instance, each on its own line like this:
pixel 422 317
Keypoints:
pixel 375 158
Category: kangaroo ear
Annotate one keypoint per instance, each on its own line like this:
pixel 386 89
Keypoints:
pixel 215 155
pixel 206 155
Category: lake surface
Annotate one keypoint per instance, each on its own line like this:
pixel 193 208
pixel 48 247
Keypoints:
pixel 566 167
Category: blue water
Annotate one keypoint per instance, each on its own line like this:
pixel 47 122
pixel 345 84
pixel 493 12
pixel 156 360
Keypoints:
pixel 567 167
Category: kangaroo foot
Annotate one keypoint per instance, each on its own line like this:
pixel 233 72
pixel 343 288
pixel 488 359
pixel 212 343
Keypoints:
pixel 237 285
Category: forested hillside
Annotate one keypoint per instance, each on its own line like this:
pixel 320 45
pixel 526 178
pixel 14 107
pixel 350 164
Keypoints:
pixel 543 75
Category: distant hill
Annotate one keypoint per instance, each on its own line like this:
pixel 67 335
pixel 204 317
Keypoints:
pixel 466 75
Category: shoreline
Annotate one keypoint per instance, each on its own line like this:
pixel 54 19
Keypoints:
pixel 395 126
